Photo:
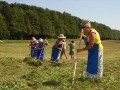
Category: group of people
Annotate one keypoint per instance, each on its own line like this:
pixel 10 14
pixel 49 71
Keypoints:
pixel 58 50
pixel 93 46
pixel 37 48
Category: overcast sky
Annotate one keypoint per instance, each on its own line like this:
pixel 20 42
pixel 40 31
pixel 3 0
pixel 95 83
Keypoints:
pixel 102 11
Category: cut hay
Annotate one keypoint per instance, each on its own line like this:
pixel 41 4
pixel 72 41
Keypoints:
pixel 32 61
pixel 54 64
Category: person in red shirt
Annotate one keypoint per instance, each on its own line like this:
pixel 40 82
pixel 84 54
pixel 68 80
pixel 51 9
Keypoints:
pixel 31 47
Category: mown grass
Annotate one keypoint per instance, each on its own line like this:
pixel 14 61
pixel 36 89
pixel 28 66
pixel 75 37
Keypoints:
pixel 20 72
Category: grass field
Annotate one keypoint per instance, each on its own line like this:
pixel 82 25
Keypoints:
pixel 18 74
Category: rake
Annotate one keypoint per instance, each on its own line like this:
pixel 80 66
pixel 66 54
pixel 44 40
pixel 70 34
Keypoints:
pixel 76 60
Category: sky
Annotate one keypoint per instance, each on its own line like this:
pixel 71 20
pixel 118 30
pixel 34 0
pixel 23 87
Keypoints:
pixel 106 12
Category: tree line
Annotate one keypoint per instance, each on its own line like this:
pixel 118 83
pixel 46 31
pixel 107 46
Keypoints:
pixel 21 21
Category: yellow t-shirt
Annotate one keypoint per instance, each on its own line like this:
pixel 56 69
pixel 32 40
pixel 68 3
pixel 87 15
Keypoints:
pixel 97 39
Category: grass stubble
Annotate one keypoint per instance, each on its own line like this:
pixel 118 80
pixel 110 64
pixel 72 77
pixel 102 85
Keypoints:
pixel 19 71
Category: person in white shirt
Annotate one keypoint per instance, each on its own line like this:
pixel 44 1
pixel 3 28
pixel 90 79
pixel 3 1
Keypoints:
pixel 63 50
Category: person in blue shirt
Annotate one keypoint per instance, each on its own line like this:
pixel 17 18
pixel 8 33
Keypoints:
pixel 41 48
pixel 57 48
pixel 34 48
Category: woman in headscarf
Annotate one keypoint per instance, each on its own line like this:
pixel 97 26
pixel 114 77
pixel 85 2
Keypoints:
pixel 95 51
pixel 41 48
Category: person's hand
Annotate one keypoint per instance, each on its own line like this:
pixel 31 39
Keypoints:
pixel 82 34
pixel 60 49
pixel 39 48
pixel 79 50
pixel 34 47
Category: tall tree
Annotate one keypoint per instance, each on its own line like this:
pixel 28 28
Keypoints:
pixel 4 33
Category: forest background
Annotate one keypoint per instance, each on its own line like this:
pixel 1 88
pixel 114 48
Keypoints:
pixel 21 22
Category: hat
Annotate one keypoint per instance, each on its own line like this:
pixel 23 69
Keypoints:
pixel 86 23
pixel 33 38
pixel 61 36
pixel 40 40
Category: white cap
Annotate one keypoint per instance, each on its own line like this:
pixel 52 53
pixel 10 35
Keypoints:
pixel 40 40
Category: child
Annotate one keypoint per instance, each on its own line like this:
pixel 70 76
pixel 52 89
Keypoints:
pixel 72 49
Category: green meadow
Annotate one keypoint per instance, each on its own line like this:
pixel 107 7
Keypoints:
pixel 20 72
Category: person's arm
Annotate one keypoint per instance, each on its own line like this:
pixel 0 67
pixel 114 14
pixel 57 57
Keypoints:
pixel 39 48
pixel 69 43
pixel 30 46
pixel 83 35
pixel 91 43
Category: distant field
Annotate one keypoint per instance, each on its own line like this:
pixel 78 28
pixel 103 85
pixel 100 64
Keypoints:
pixel 18 75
